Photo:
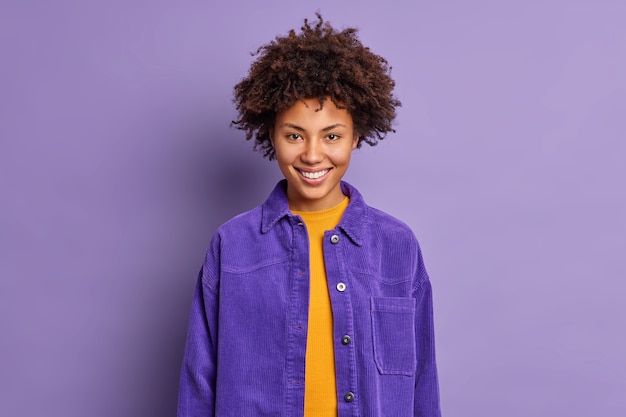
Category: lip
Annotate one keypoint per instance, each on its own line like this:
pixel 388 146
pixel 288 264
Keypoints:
pixel 313 181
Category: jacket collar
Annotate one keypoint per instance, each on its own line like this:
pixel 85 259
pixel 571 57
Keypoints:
pixel 353 222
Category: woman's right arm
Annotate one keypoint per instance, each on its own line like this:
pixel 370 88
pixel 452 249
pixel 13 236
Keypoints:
pixel 196 395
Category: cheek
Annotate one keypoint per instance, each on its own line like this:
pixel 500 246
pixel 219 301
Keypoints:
pixel 283 156
pixel 342 156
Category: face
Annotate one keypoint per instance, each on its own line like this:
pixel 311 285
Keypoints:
pixel 313 149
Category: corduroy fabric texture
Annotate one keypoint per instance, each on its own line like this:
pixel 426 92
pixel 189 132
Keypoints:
pixel 245 353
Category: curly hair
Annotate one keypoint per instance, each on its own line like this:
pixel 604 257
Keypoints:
pixel 318 62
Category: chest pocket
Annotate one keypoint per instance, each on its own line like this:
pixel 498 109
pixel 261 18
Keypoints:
pixel 393 331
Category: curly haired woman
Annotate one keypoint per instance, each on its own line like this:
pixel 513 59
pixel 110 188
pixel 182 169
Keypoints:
pixel 313 303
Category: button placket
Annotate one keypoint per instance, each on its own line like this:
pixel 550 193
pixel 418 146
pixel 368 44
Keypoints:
pixel 345 340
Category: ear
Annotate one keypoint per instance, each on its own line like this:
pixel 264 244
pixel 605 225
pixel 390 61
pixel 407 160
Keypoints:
pixel 271 135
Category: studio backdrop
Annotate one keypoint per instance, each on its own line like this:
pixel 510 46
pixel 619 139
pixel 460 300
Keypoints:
pixel 118 162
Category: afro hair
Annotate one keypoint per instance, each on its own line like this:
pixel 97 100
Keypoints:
pixel 319 62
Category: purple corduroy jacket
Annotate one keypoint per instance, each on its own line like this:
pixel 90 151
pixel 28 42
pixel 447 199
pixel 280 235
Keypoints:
pixel 246 342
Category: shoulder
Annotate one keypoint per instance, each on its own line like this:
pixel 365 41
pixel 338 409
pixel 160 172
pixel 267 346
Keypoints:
pixel 389 227
pixel 369 224
pixel 237 245
pixel 387 221
pixel 246 223
pixel 240 244
pixel 242 225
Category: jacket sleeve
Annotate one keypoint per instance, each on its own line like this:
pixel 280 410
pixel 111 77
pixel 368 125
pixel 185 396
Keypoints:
pixel 196 396
pixel 426 381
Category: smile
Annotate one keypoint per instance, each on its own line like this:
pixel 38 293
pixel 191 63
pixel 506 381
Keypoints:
pixel 314 175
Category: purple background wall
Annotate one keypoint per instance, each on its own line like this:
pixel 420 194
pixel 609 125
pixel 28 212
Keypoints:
pixel 117 163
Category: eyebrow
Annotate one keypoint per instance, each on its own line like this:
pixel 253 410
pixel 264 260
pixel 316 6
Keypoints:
pixel 301 129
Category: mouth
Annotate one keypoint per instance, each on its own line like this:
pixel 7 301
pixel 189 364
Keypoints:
pixel 313 175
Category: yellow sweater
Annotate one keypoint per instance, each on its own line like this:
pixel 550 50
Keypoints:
pixel 320 386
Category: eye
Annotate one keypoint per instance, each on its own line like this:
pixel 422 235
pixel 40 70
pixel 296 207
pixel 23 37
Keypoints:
pixel 293 136
pixel 332 137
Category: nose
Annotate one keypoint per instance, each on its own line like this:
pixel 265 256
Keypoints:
pixel 313 152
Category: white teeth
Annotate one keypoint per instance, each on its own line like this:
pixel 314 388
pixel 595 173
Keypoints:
pixel 314 175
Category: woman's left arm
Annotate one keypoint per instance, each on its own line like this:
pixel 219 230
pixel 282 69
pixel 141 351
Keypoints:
pixel 426 400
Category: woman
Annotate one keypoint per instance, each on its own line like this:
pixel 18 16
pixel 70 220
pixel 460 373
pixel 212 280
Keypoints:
pixel 312 304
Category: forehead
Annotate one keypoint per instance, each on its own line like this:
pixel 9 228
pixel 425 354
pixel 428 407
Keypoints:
pixel 311 112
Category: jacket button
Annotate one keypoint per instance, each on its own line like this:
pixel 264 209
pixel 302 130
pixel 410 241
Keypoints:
pixel 345 340
pixel 349 397
pixel 334 239
pixel 341 287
